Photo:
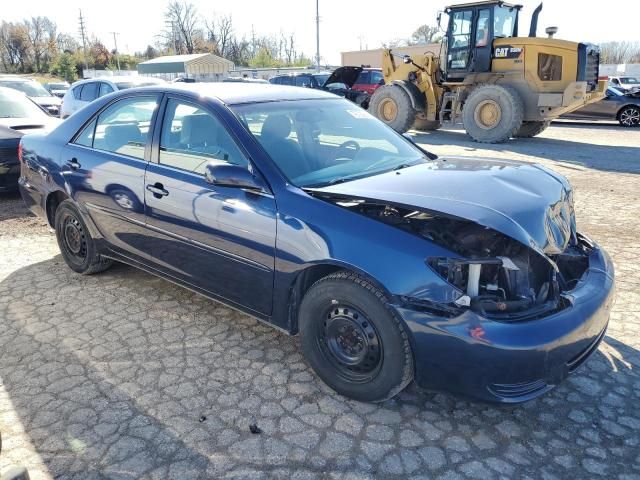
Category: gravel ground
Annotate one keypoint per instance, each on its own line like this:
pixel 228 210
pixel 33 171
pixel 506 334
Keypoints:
pixel 123 375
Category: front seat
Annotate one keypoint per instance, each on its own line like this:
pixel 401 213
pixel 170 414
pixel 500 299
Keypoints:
pixel 285 152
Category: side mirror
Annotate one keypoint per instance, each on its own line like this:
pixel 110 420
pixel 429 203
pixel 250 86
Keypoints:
pixel 438 18
pixel 233 176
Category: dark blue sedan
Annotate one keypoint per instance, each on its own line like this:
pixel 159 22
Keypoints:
pixel 304 211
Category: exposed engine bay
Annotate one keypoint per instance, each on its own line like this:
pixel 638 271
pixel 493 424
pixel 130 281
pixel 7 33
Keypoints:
pixel 497 276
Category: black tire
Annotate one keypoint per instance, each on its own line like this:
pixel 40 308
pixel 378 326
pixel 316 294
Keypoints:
pixel 492 113
pixel 392 105
pixel 426 125
pixel 353 340
pixel 531 129
pixel 76 244
pixel 629 116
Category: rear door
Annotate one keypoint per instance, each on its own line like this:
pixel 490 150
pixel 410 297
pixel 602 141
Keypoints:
pixel 104 167
pixel 218 239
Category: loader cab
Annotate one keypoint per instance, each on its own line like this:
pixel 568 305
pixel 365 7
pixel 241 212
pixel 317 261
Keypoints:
pixel 470 33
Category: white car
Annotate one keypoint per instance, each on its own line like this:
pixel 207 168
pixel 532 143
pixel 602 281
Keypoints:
pixel 86 91
pixel 625 83
pixel 35 91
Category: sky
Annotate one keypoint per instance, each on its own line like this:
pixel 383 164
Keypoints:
pixel 344 24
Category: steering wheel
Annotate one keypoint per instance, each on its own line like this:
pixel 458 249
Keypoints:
pixel 348 147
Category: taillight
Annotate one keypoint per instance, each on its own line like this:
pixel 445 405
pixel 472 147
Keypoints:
pixel 20 152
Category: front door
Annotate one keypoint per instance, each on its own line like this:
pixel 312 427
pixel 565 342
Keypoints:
pixel 104 167
pixel 219 239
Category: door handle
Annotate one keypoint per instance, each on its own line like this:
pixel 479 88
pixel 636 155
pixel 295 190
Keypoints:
pixel 158 190
pixel 74 164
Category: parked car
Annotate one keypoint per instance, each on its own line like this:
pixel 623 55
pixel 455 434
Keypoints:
pixel 85 91
pixel 354 84
pixel 309 80
pixel 18 116
pixel 245 80
pixel 625 83
pixel 616 105
pixel 35 91
pixel 57 88
pixel 308 213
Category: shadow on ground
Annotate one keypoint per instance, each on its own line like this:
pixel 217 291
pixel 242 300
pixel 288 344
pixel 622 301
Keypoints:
pixel 127 376
pixel 617 158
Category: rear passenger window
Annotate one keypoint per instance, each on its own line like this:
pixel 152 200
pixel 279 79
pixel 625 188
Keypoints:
pixel 89 92
pixel 363 78
pixel 124 126
pixel 191 138
pixel 86 136
pixel 105 89
pixel 286 80
pixel 376 78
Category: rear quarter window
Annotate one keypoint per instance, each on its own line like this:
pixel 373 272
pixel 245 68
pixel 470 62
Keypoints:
pixel 363 78
pixel 76 91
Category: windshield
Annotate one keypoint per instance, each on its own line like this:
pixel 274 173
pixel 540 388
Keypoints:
pixel 504 22
pixel 322 142
pixel 32 89
pixel 18 106
pixel 628 80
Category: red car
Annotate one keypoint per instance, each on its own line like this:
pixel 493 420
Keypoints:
pixel 368 80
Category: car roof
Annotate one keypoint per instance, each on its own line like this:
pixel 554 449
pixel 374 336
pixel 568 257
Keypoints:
pixel 120 78
pixel 233 93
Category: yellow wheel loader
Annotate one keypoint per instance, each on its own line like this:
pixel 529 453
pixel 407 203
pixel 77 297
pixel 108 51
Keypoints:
pixel 497 84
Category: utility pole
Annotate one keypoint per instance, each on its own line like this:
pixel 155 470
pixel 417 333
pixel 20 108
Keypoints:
pixel 318 35
pixel 115 42
pixel 84 41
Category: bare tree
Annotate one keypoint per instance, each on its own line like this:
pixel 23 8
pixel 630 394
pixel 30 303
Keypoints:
pixel 183 18
pixel 425 34
pixel 220 33
pixel 619 52
pixel 289 48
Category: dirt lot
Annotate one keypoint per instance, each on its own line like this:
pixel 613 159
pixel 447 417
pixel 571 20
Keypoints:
pixel 123 375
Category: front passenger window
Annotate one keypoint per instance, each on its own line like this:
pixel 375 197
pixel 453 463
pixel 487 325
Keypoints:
pixel 191 138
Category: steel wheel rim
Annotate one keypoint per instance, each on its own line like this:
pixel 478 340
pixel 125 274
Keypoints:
pixel 487 114
pixel 630 117
pixel 74 238
pixel 350 342
pixel 388 110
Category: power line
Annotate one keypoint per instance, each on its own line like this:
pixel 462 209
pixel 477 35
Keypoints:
pixel 84 41
pixel 318 35
pixel 115 42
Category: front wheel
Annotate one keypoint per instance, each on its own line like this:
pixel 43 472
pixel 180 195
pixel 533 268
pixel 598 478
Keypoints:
pixel 492 113
pixel 353 340
pixel 629 116
pixel 76 244
pixel 392 105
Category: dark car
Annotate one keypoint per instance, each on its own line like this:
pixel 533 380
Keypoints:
pixel 18 116
pixel 309 80
pixel 355 83
pixel 616 105
pixel 307 213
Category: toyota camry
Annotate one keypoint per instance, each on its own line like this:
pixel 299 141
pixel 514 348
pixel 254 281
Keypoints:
pixel 304 211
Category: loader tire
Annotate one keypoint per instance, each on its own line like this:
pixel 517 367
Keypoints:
pixel 426 125
pixel 492 113
pixel 531 129
pixel 392 105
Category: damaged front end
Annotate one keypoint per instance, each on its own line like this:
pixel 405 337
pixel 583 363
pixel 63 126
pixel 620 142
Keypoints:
pixel 493 274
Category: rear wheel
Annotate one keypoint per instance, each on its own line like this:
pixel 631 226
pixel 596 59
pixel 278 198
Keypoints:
pixel 76 244
pixel 629 116
pixel 531 129
pixel 353 340
pixel 492 113
pixel 392 105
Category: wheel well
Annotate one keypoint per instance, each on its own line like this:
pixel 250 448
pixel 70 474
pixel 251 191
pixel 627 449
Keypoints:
pixel 53 200
pixel 637 107
pixel 306 279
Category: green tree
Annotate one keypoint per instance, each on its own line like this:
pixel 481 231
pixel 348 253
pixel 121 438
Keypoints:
pixel 263 58
pixel 65 65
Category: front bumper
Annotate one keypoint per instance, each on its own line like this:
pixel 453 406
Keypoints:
pixel 513 362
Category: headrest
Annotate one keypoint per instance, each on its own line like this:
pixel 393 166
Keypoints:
pixel 199 129
pixel 278 126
